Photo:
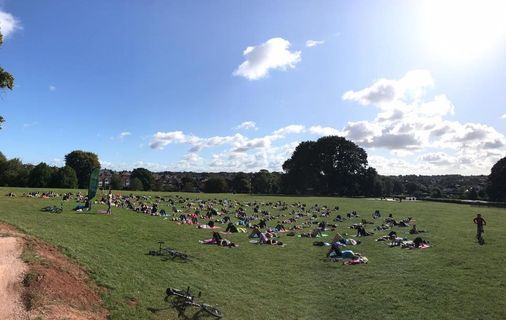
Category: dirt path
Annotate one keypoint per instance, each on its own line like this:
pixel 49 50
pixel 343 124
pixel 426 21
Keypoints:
pixel 11 275
pixel 48 286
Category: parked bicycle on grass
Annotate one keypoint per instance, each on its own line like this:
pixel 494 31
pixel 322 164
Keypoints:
pixel 181 300
pixel 167 253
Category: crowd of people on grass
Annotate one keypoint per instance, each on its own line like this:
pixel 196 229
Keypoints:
pixel 265 222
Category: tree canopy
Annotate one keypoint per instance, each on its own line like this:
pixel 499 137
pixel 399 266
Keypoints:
pixel 6 80
pixel 216 184
pixel 497 181
pixel 330 165
pixel 83 163
pixel 145 177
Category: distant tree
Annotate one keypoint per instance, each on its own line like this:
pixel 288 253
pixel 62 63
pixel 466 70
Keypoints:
pixel 412 188
pixel 216 184
pixel 471 194
pixel 65 177
pixel 302 169
pixel 145 176
pixel 241 183
pixel 116 182
pixel 276 183
pixel 371 186
pixel 398 187
pixel 388 186
pixel 14 173
pixel 261 182
pixel 40 176
pixel 188 183
pixel 136 184
pixel 496 188
pixel 83 163
pixel 331 165
pixel 436 193
pixel 6 80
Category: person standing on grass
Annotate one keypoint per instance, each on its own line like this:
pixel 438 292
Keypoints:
pixel 109 202
pixel 479 222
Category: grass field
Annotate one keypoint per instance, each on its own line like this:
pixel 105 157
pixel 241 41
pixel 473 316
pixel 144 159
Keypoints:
pixel 454 279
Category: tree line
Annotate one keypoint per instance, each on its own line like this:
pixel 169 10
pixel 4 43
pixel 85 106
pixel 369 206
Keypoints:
pixel 329 166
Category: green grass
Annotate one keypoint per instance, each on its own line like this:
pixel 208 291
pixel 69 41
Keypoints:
pixel 455 279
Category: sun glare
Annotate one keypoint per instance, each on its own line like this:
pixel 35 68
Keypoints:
pixel 463 30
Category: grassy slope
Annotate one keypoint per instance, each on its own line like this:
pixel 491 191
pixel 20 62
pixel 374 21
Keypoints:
pixel 456 278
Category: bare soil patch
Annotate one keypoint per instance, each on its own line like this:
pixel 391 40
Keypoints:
pixel 46 285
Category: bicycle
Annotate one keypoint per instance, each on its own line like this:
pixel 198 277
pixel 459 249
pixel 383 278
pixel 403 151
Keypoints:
pixel 181 300
pixel 167 253
pixel 53 209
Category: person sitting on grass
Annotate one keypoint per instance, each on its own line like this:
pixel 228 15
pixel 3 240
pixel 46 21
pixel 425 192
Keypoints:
pixel 361 232
pixel 255 233
pixel 231 228
pixel 414 230
pixel 215 239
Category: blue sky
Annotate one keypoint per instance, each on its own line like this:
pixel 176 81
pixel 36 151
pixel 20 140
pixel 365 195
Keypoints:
pixel 235 85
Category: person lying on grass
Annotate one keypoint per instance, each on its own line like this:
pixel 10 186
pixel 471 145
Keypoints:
pixel 414 230
pixel 313 234
pixel 269 238
pixel 340 240
pixel 218 240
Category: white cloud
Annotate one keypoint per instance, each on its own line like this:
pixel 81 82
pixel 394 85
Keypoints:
pixel 272 54
pixel 314 43
pixel 52 88
pixel 293 128
pixel 409 123
pixel 503 116
pixel 8 24
pixel 121 136
pixel 246 125
pixel 385 91
pixel 325 131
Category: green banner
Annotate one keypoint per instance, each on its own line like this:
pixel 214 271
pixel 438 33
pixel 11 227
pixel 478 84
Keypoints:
pixel 92 189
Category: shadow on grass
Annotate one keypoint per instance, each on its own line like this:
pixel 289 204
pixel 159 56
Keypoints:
pixel 181 312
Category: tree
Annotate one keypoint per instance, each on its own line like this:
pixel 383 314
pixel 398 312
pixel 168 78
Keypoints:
pixel 6 80
pixel 412 188
pixel 136 184
pixel 436 193
pixel 145 177
pixel 116 183
pixel 261 182
pixel 241 183
pixel 302 169
pixel 40 176
pixel 496 188
pixel 215 184
pixel 14 173
pixel 398 187
pixel 331 165
pixel 83 163
pixel 188 183
pixel 65 177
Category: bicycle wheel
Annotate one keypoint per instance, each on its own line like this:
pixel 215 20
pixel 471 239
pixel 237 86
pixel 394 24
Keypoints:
pixel 212 310
pixel 175 292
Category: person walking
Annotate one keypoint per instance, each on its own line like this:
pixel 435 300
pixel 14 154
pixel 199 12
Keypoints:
pixel 109 202
pixel 479 222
